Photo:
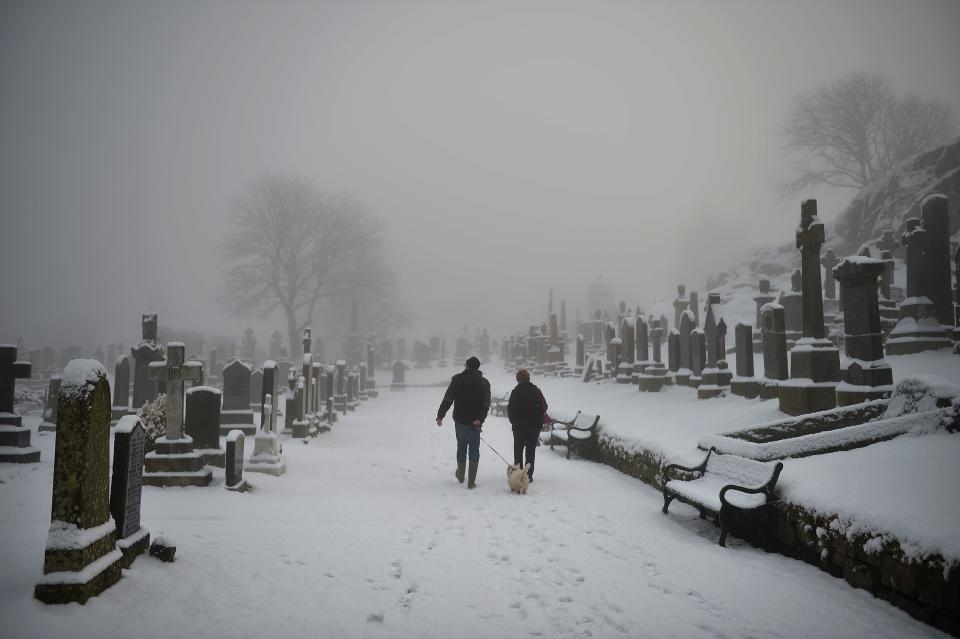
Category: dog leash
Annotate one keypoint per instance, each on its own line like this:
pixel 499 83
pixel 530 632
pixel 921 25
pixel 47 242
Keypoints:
pixel 495 451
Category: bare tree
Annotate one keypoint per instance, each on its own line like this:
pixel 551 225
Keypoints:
pixel 849 132
pixel 290 245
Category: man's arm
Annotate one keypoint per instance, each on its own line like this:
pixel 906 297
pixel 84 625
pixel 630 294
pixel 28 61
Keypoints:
pixel 448 398
pixel 485 402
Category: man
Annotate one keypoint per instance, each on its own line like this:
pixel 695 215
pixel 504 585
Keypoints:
pixel 469 393
pixel 527 411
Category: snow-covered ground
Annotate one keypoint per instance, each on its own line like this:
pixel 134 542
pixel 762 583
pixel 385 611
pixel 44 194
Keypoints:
pixel 369 535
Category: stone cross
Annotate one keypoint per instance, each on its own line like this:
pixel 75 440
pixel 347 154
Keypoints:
pixel 10 371
pixel 810 237
pixel 176 372
pixel 888 242
pixel 829 260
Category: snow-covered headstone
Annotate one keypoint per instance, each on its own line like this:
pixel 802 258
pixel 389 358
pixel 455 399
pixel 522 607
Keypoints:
pixel 202 423
pixel 126 487
pixel 81 558
pixel 145 388
pixel 266 446
pixel 235 411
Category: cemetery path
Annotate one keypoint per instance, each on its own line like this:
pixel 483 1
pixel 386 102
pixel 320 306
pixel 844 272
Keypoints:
pixel 369 535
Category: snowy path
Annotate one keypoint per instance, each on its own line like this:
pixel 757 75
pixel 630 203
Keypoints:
pixel 369 535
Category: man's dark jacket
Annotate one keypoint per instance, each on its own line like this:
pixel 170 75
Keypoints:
pixel 469 392
pixel 526 408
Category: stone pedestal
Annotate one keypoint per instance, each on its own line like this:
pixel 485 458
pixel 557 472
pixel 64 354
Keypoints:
pixel 266 456
pixel 748 387
pixel 917 330
pixel 175 463
pixel 814 376
pixel 864 381
pixel 716 381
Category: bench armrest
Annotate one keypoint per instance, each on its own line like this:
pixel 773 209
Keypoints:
pixel 766 489
pixel 690 469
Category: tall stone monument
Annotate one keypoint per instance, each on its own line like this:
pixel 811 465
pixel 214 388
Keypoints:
pixel 866 374
pixel 235 411
pixel 145 388
pixel 81 559
pixel 814 360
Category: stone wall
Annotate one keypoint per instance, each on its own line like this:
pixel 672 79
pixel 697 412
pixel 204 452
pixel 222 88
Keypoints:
pixel 926 588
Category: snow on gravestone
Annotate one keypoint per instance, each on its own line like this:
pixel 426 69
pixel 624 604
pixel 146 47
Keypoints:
pixel 126 488
pixel 202 423
pixel 234 466
pixel 14 437
pixel 81 558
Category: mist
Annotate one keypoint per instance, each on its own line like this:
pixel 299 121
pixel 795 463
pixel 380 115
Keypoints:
pixel 509 147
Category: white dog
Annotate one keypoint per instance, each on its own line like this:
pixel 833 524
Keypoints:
pixel 518 479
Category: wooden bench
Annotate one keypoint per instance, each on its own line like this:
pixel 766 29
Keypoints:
pixel 575 433
pixel 499 405
pixel 726 484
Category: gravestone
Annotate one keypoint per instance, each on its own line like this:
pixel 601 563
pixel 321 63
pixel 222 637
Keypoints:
pixel 49 423
pixel 581 356
pixel 202 423
pixel 935 216
pixel 126 487
pixel 792 303
pixel 563 316
pixel 235 412
pixel 774 337
pixel 234 462
pixel 866 375
pixel 255 390
pixel 146 352
pixel 686 327
pixel 814 360
pixel 888 242
pixel 918 327
pixel 298 426
pixel 81 558
pixel 643 343
pixel 362 382
pixel 627 353
pixel 698 356
pixel 398 382
pixel 14 436
pixel 673 350
pixel 717 376
pixel 653 375
pixel 121 388
pixel 695 308
pixel 340 395
pixel 213 365
pixel 174 462
pixel 371 371
pixel 744 383
pixel 266 457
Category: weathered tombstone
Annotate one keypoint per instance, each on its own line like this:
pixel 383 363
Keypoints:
pixel 673 350
pixel 234 462
pixel 49 423
pixel 81 558
pixel 643 342
pixel 146 352
pixel 202 423
pixel 266 456
pixel 698 356
pixel 174 462
pixel 792 303
pixel 744 383
pixel 888 242
pixel 255 390
pixel 717 375
pixel 236 412
pixel 14 436
pixel 773 335
pixel 624 370
pixel 581 355
pixel 918 329
pixel 371 371
pixel 653 375
pixel 763 298
pixel 686 327
pixel 399 376
pixel 695 308
pixel 935 214
pixel 121 388
pixel 866 375
pixel 814 361
pixel 340 396
pixel 126 487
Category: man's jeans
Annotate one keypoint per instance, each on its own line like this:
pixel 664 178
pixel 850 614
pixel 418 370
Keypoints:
pixel 467 435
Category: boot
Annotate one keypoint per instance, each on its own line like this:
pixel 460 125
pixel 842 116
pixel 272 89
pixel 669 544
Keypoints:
pixel 461 469
pixel 472 476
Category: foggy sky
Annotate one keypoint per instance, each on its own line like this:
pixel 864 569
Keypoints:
pixel 510 146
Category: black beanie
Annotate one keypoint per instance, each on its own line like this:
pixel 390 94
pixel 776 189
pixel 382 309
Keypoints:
pixel 473 363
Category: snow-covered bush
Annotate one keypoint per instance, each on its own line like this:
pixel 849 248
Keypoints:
pixel 153 416
pixel 911 396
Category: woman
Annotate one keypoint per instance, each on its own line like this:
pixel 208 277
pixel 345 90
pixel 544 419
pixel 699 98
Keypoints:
pixel 526 410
